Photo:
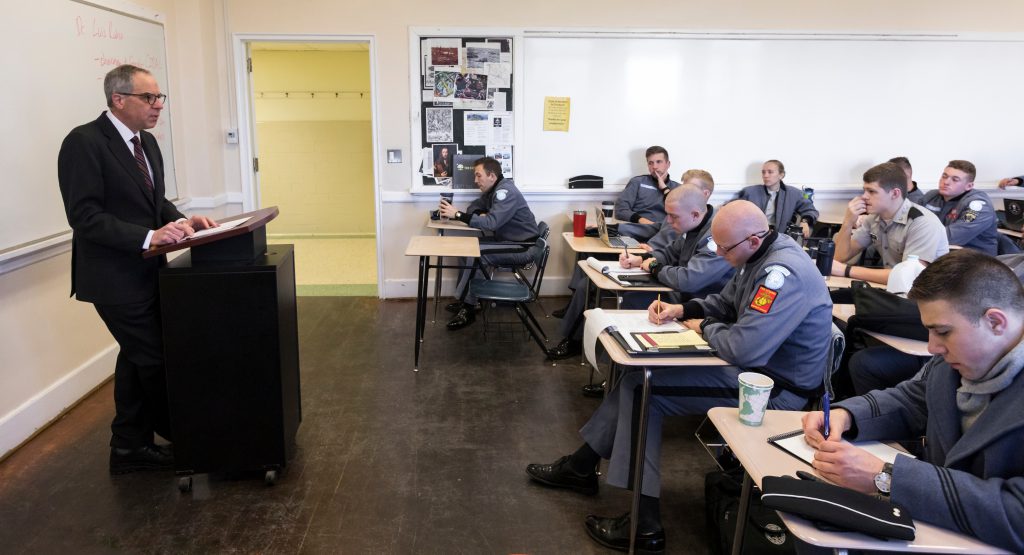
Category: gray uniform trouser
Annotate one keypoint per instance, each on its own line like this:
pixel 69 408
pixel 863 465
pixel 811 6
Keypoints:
pixel 487 261
pixel 688 390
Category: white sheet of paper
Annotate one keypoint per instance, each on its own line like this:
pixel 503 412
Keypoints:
pixel 503 154
pixel 476 128
pixel 501 128
pixel 224 226
pixel 798 446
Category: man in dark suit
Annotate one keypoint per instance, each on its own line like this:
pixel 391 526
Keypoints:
pixel 111 178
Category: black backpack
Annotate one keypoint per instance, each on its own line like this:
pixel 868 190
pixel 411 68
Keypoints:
pixel 765 532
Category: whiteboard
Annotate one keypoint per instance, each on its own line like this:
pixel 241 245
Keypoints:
pixel 55 54
pixel 828 107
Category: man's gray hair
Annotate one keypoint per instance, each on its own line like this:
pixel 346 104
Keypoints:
pixel 119 80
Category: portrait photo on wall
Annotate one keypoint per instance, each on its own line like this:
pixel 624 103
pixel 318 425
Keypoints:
pixel 443 156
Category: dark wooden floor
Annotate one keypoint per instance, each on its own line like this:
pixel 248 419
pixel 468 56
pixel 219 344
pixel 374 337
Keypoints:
pixel 388 460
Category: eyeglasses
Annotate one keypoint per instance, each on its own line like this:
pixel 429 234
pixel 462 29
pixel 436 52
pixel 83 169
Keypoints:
pixel 759 235
pixel 148 98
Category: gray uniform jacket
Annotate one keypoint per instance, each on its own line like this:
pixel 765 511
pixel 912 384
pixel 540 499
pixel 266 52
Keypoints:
pixel 970 219
pixel 1015 262
pixel 788 201
pixel 642 199
pixel 913 230
pixel 775 315
pixel 916 196
pixel 504 212
pixel 690 264
pixel 970 482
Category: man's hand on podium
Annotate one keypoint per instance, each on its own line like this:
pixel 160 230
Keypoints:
pixel 171 233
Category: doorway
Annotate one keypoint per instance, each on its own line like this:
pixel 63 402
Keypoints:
pixel 312 135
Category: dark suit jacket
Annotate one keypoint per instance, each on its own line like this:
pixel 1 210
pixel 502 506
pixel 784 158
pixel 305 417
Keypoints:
pixel 111 210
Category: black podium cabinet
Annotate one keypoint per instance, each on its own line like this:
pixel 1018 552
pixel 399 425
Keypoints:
pixel 232 357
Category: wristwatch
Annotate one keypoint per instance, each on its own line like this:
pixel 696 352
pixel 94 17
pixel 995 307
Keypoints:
pixel 458 215
pixel 883 480
pixel 705 322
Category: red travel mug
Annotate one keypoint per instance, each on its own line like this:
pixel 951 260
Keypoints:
pixel 579 223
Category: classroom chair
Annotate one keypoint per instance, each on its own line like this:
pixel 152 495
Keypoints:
pixel 518 293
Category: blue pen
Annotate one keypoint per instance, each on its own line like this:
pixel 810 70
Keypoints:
pixel 824 404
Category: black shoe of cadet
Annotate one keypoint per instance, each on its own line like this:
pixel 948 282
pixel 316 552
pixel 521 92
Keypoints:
pixel 567 348
pixel 464 317
pixel 560 313
pixel 560 474
pixel 147 457
pixel 614 533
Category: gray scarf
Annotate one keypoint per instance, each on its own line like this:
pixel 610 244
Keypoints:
pixel 974 395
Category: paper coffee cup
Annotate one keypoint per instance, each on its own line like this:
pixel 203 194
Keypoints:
pixel 755 389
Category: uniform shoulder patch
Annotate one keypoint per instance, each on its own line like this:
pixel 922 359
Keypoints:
pixel 976 205
pixel 776 276
pixel 501 194
pixel 763 299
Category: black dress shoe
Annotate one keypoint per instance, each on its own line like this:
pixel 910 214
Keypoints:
pixel 559 475
pixel 453 307
pixel 464 317
pixel 147 457
pixel 567 348
pixel 560 313
pixel 614 533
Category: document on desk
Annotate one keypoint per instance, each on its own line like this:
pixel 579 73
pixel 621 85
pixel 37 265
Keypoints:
pixel 599 320
pixel 614 271
pixel 794 444
pixel 224 226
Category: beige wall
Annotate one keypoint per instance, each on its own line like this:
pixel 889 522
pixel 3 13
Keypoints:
pixel 46 336
pixel 316 154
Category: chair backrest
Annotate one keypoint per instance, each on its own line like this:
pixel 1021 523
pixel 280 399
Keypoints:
pixel 539 257
pixel 543 230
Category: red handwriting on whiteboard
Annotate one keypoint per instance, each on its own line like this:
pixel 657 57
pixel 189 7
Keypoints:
pixel 79 26
pixel 98 29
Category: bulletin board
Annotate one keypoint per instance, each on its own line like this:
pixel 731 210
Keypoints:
pixel 465 109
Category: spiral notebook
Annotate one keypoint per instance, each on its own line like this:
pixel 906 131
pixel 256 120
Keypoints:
pixel 794 444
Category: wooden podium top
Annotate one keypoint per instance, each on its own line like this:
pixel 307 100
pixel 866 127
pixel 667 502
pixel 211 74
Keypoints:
pixel 257 219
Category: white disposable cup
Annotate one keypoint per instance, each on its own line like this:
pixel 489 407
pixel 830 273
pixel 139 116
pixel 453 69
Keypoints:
pixel 755 390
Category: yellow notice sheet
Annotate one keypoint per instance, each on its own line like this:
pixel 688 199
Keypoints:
pixel 556 113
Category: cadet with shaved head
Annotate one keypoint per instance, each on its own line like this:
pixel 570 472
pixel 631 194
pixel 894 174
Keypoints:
pixel 774 316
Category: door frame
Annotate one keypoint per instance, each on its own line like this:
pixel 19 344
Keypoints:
pixel 247 129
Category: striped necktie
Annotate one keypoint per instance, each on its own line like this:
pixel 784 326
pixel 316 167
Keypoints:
pixel 140 159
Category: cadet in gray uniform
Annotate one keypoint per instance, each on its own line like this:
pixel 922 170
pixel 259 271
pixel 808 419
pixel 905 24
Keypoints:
pixel 965 403
pixel 967 213
pixel 895 226
pixel 914 193
pixel 643 199
pixel 781 203
pixel 502 211
pixel 687 211
pixel 774 316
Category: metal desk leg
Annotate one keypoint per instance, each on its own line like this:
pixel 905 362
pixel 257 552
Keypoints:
pixel 741 514
pixel 421 307
pixel 437 286
pixel 638 466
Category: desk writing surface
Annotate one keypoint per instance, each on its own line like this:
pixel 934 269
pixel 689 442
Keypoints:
pixel 1010 232
pixel 441 245
pixel 606 283
pixel 619 356
pixel 914 347
pixel 450 225
pixel 759 458
pixel 592 245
